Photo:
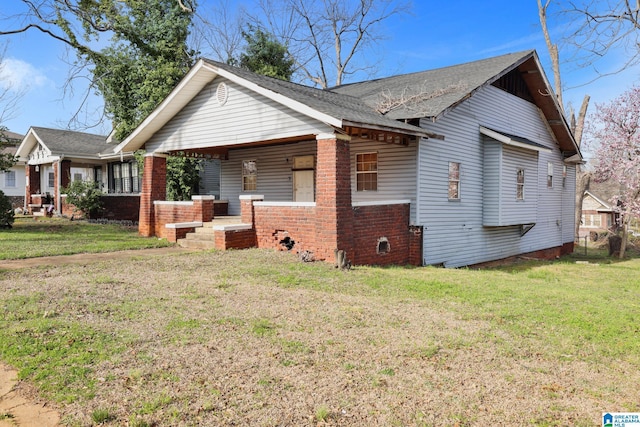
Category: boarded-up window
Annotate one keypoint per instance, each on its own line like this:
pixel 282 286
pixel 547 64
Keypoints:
pixel 367 172
pixel 249 175
pixel 520 184
pixel 454 181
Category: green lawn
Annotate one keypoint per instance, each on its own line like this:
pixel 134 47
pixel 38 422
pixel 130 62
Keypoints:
pixel 256 337
pixel 31 238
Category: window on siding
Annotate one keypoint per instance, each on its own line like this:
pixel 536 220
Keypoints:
pixel 249 175
pixel 454 181
pixel 367 172
pixel 51 181
pixel 97 175
pixel 564 176
pixel 77 177
pixel 549 175
pixel 520 184
pixel 124 177
pixel 10 179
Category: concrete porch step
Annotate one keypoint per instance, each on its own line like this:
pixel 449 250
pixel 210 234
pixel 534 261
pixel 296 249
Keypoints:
pixel 196 244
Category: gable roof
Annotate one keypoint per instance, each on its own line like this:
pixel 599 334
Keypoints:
pixel 445 88
pixel 334 109
pixel 606 207
pixel 358 104
pixel 60 142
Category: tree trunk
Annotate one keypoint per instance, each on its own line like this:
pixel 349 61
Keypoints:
pixel 583 182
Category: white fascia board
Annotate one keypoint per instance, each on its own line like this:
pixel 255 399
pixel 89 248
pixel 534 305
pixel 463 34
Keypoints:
pixel 27 144
pixel 188 87
pixel 281 99
pixel 508 141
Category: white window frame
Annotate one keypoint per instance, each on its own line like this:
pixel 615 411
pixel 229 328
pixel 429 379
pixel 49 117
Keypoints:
pixel 520 183
pixel 10 179
pixel 249 175
pixel 454 181
pixel 564 176
pixel 549 175
pixel 367 171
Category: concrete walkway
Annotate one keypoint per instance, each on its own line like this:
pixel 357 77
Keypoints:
pixel 16 411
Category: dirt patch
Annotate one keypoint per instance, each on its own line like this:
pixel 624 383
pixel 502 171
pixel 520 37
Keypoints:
pixel 16 410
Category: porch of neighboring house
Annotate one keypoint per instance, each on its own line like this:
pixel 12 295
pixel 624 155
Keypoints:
pixel 371 233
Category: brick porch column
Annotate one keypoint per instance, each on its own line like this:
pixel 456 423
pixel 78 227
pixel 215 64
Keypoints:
pixel 33 183
pixel 247 210
pixel 334 212
pixel 154 187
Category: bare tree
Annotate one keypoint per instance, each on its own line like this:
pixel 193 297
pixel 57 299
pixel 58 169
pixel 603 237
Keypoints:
pixel 9 101
pixel 583 177
pixel 602 27
pixel 412 98
pixel 327 37
pixel 217 31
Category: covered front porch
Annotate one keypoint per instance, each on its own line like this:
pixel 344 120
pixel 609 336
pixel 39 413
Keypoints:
pixel 370 232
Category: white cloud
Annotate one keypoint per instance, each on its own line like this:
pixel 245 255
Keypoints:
pixel 19 75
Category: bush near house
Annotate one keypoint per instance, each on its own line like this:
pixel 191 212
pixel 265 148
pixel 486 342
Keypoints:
pixel 6 211
pixel 85 196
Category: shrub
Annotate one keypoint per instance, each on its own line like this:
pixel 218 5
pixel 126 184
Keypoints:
pixel 6 211
pixel 85 196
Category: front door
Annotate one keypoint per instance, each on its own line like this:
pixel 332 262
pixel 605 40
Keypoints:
pixel 303 179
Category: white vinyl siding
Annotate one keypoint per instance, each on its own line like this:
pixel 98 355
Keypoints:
pixel 454 234
pixel 501 206
pixel 245 117
pixel 275 177
pixel 396 172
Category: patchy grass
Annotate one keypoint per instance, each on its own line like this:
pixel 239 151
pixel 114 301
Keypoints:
pixel 31 238
pixel 158 341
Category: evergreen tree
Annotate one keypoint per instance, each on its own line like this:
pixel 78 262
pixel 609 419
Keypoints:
pixel 265 55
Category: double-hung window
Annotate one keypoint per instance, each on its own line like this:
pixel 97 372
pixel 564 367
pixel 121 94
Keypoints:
pixel 367 172
pixel 249 175
pixel 520 184
pixel 10 179
pixel 124 177
pixel 454 181
pixel 549 175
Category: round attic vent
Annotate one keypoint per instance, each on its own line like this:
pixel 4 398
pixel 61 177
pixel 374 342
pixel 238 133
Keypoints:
pixel 222 94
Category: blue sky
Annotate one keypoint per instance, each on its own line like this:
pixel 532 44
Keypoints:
pixel 436 34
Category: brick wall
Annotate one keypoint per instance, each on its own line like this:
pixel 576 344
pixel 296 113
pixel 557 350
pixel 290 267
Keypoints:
pixel 16 201
pixel 235 239
pixel 121 207
pixel 274 224
pixel 382 236
pixel 200 209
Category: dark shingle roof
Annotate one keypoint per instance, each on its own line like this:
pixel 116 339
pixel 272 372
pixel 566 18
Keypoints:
pixel 339 105
pixel 441 88
pixel 70 142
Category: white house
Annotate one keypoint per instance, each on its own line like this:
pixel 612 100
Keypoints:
pixel 455 166
pixel 12 182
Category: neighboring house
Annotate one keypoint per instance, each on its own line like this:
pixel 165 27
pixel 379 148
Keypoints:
pixel 57 157
pixel 12 182
pixel 456 166
pixel 597 216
